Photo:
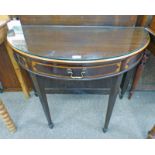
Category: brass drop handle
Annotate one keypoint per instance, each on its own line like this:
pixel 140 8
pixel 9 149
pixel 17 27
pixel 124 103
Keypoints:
pixel 69 71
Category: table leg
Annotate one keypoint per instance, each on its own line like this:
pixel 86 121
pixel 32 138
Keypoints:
pixel 125 82
pixel 42 96
pixel 112 98
pixel 33 87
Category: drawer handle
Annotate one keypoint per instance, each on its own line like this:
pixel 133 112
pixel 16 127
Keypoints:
pixel 69 71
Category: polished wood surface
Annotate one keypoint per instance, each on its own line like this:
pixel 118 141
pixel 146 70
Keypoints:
pixel 77 52
pixel 152 28
pixel 152 24
pixel 3 33
pixel 8 76
pixel 109 20
pixel 6 118
pixel 144 20
pixel 88 42
pixel 47 52
pixel 18 71
pixel 79 43
pixel 74 70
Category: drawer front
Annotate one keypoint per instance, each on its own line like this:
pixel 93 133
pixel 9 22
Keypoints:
pixel 74 72
pixel 77 71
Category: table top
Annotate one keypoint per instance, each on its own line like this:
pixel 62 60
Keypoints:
pixel 77 43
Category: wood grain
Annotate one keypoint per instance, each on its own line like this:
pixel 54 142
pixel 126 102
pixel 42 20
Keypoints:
pixel 113 20
pixel 7 73
pixel 6 118
pixel 152 24
pixel 18 71
pixel 88 42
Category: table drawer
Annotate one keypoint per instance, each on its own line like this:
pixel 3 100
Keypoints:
pixel 74 72
pixel 77 71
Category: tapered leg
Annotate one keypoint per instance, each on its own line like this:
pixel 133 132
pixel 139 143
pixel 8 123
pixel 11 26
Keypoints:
pixel 42 96
pixel 112 98
pixel 125 82
pixel 33 87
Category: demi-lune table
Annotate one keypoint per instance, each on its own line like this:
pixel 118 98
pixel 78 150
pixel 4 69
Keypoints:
pixel 77 58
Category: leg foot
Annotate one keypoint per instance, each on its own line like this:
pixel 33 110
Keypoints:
pixel 51 125
pixel 120 96
pixel 105 130
pixel 130 95
pixel 35 93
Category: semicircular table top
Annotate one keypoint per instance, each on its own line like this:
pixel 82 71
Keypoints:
pixel 84 43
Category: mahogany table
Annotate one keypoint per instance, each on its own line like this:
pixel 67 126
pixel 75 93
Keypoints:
pixel 69 59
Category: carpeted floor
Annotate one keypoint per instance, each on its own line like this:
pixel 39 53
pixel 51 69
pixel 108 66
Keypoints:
pixel 80 116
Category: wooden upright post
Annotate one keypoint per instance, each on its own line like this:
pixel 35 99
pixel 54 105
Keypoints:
pixel 138 73
pixel 18 71
pixel 6 118
pixel 151 133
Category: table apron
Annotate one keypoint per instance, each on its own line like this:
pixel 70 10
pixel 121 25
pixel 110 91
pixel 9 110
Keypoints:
pixel 78 71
